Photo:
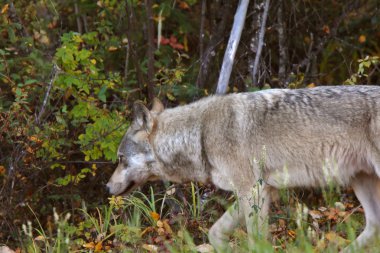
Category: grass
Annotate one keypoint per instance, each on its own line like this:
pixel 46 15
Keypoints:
pixel 142 223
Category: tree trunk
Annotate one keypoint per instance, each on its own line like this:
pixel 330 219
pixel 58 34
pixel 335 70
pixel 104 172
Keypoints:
pixel 150 82
pixel 282 48
pixel 257 41
pixel 132 47
pixel 216 39
pixel 233 42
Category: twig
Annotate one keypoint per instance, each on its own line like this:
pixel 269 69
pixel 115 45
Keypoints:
pixel 233 42
pixel 126 64
pixel 77 17
pixel 351 213
pixel 54 75
pixel 260 42
pixel 333 32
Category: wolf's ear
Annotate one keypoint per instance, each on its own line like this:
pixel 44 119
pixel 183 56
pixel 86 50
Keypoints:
pixel 142 116
pixel 157 106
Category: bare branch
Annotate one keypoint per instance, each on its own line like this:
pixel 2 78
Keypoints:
pixel 54 74
pixel 126 64
pixel 77 17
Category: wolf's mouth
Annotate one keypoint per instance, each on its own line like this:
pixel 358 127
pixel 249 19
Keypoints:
pixel 132 185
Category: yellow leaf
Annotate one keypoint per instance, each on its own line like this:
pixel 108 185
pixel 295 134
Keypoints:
pixel 311 85
pixel 5 9
pixel 89 245
pixel 112 49
pixel 292 233
pixel 185 43
pixel 34 138
pixel 167 227
pixel 147 230
pixel 93 61
pixel 170 96
pixel 170 191
pixel 155 216
pixel 204 248
pixel 161 231
pixel 2 170
pixel 150 247
pixel 98 247
pixel 160 224
pixel 40 238
pixel 362 39
pixel 336 239
pixel 183 5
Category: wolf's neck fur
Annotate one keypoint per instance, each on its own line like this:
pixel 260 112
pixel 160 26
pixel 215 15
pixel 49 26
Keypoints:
pixel 180 146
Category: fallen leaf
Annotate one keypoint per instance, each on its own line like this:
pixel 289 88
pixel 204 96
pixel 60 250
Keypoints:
pixel 112 49
pixel 204 248
pixel 150 247
pixel 292 233
pixel 160 224
pixel 336 239
pixel 315 214
pixel 340 206
pixel 89 245
pixel 39 238
pixel 147 230
pixel 167 227
pixel 98 247
pixel 170 191
pixel 161 231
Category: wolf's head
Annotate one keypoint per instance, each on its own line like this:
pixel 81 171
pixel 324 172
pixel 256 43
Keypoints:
pixel 137 161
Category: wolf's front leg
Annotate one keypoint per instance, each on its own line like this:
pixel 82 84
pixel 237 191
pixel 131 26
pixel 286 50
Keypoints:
pixel 255 203
pixel 222 229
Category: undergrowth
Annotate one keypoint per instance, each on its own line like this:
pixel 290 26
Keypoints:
pixel 167 222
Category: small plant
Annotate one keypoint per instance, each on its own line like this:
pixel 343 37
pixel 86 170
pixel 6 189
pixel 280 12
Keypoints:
pixel 52 241
pixel 364 70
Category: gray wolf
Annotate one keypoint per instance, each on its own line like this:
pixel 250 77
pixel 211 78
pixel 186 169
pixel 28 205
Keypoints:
pixel 256 143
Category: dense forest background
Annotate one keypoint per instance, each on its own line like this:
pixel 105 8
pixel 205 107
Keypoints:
pixel 70 70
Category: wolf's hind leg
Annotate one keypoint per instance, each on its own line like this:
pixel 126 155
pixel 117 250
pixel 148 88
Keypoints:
pixel 224 226
pixel 367 190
